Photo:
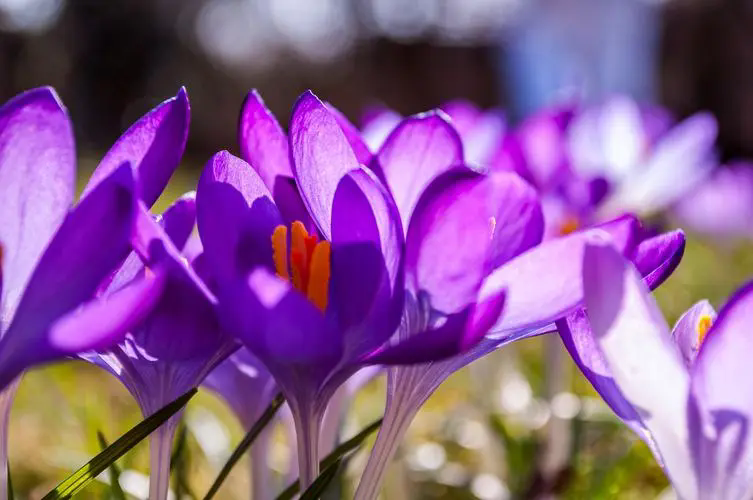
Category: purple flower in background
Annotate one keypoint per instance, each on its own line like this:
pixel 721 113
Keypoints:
pixel 648 163
pixel 722 205
pixel 318 301
pixel 54 258
pixel 690 403
pixel 513 261
pixel 248 388
pixel 179 341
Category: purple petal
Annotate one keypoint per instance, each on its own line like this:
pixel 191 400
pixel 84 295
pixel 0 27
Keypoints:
pixel 417 151
pixel 179 219
pixel 236 217
pixel 544 283
pixel 321 157
pixel 377 127
pixel 366 276
pixel 542 140
pixel 153 146
pixel 645 363
pixel 90 243
pixel 460 227
pixel 656 258
pixel 360 148
pixel 463 113
pixel 263 143
pixel 722 393
pixel 101 323
pixel 460 332
pixel 689 329
pixel 722 205
pixel 37 168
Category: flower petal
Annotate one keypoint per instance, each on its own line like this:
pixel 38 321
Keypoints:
pixel 90 243
pixel 724 399
pixel 179 219
pixel 378 125
pixel 37 169
pixel 463 224
pixel 645 363
pixel 263 143
pixel 416 152
pixel 103 322
pixel 321 157
pixel 681 160
pixel 360 148
pixel 656 258
pixel 544 283
pixel 689 329
pixel 460 332
pixel 153 146
pixel 236 217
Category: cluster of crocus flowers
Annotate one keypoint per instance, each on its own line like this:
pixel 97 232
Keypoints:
pixel 324 254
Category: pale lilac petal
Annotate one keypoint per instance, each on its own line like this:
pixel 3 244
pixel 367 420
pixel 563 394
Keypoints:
pixel 689 329
pixel 353 135
pixel 417 151
pixel 680 161
pixel 722 205
pixel 153 146
pixel 321 157
pixel 37 169
pixel 377 127
pixel 180 218
pixel 657 257
pixel 645 363
pixel 544 283
pixel 720 385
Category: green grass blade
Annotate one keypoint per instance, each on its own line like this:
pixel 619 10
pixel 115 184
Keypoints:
pixel 246 443
pixel 82 477
pixel 115 490
pixel 321 483
pixel 335 456
pixel 11 496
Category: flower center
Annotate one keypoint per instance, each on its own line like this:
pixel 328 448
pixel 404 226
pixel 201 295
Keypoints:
pixel 569 225
pixel 306 265
pixel 704 325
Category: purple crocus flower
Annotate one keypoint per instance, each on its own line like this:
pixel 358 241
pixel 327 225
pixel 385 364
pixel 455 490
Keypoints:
pixel 334 303
pixel 179 341
pixel 682 397
pixel 722 205
pixel 248 388
pixel 54 258
pixel 515 261
pixel 648 164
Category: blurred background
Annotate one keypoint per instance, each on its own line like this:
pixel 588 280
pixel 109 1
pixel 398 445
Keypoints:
pixel 497 430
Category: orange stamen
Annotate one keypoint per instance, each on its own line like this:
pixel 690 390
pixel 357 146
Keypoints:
pixel 319 278
pixel 704 325
pixel 309 262
pixel 570 225
pixel 280 251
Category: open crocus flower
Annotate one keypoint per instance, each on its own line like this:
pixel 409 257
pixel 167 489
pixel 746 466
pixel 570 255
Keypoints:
pixel 721 206
pixel 513 260
pixel 316 302
pixel 648 164
pixel 684 397
pixel 179 341
pixel 55 258
pixel 248 388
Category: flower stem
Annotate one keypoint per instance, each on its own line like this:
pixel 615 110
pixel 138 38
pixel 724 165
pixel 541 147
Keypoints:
pixel 160 449
pixel 307 424
pixel 397 419
pixel 261 479
pixel 6 401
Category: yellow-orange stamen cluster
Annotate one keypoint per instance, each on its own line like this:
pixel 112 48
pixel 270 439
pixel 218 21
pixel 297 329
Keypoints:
pixel 569 225
pixel 307 264
pixel 704 325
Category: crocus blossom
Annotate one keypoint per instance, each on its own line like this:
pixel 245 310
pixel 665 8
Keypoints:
pixel 54 258
pixel 179 341
pixel 678 386
pixel 722 205
pixel 318 312
pixel 514 261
